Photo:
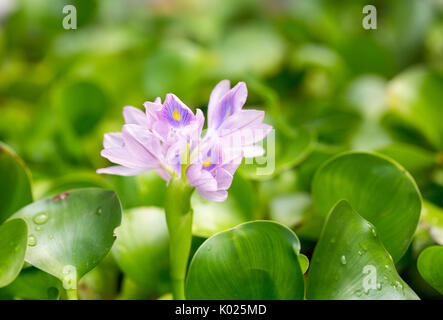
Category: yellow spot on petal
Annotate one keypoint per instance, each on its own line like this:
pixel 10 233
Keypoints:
pixel 207 163
pixel 176 115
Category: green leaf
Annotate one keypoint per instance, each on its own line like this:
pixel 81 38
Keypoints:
pixel 412 157
pixel 350 262
pixel 379 189
pixel 69 234
pixel 255 260
pixel 416 95
pixel 142 248
pixel 15 189
pixel 430 264
pixel 13 240
pixel 432 216
pixel 102 282
pixel 33 284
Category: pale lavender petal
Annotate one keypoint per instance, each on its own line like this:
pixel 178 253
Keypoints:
pixel 232 166
pixel 139 143
pixel 200 179
pixel 122 171
pixel 217 93
pixel 242 119
pixel 219 196
pixel 223 177
pixel 123 157
pixel 113 140
pixel 135 116
pixel 238 139
pixel 152 110
pixel 229 104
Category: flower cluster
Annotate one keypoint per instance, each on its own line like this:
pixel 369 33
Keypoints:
pixel 168 138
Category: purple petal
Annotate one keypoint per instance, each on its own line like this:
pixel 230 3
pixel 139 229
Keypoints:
pixel 217 93
pixel 175 112
pixel 231 102
pixel 121 171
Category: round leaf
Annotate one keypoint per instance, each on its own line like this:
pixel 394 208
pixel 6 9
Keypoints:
pixel 350 262
pixel 142 248
pixel 69 234
pixel 379 189
pixel 255 260
pixel 15 189
pixel 33 284
pixel 430 266
pixel 13 240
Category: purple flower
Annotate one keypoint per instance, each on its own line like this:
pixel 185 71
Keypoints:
pixel 167 138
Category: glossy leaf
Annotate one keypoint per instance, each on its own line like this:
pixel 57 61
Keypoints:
pixel 69 234
pixel 13 240
pixel 350 262
pixel 34 284
pixel 432 216
pixel 430 266
pixel 142 248
pixel 379 189
pixel 255 260
pixel 15 186
pixel 416 95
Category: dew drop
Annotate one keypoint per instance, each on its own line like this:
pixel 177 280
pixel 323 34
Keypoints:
pixel 343 260
pixel 41 218
pixel 386 266
pixel 379 286
pixel 32 240
pixel 360 253
pixel 99 211
pixel 38 228
pixel 374 233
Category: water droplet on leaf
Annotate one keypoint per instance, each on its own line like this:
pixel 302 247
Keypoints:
pixel 41 218
pixel 32 240
pixel 343 260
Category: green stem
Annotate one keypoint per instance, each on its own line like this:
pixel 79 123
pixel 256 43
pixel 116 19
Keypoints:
pixel 179 220
pixel 71 294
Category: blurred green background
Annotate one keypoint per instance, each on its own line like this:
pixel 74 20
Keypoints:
pixel 327 85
